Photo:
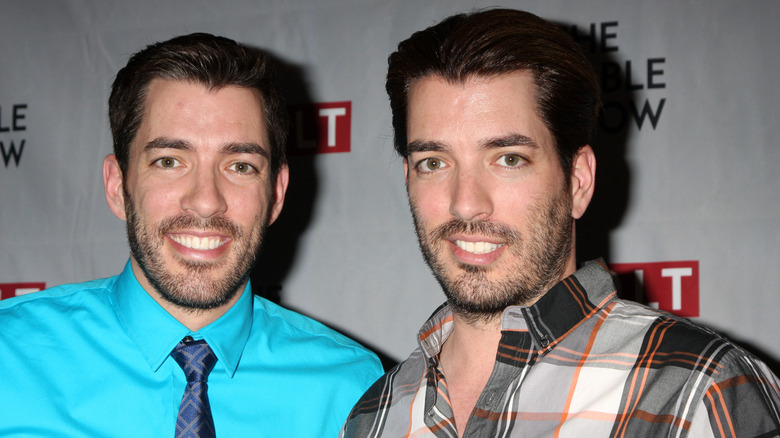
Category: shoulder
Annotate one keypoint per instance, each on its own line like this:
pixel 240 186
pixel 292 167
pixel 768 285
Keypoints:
pixel 661 331
pixel 394 391
pixel 703 365
pixel 295 330
pixel 314 364
pixel 42 323
pixel 675 350
pixel 56 302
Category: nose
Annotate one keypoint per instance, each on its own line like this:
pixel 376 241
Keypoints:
pixel 471 198
pixel 204 197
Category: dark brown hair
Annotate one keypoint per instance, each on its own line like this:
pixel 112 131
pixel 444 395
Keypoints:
pixel 501 41
pixel 212 61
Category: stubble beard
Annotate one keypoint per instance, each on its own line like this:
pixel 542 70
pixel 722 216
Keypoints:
pixel 541 259
pixel 195 289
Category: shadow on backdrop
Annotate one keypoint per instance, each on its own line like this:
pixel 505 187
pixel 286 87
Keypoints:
pixel 613 174
pixel 620 116
pixel 282 239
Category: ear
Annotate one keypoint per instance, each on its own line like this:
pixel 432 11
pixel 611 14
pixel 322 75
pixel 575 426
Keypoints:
pixel 280 188
pixel 583 180
pixel 406 170
pixel 113 183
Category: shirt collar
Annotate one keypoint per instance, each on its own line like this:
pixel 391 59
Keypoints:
pixel 549 320
pixel 435 331
pixel 564 307
pixel 156 332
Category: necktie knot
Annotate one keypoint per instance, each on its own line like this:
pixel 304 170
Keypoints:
pixel 196 359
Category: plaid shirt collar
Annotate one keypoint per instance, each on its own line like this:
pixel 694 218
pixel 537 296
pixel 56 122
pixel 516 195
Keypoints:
pixel 557 313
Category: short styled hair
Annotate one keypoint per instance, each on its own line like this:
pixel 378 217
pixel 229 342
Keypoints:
pixel 209 60
pixel 495 42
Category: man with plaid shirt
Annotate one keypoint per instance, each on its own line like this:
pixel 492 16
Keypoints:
pixel 493 114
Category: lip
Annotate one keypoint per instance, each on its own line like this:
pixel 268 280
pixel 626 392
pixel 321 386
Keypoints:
pixel 471 258
pixel 199 245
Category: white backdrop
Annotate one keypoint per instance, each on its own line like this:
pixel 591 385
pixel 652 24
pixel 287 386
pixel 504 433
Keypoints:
pixel 686 163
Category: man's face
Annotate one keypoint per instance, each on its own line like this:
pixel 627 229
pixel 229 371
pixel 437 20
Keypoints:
pixel 197 195
pixel 492 208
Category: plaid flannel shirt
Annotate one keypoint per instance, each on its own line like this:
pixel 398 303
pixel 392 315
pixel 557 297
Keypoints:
pixel 582 363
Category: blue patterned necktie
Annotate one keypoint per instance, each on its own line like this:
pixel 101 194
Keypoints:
pixel 197 360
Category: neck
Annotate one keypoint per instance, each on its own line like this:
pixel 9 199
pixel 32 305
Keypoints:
pixel 196 319
pixel 467 359
pixel 192 318
pixel 472 340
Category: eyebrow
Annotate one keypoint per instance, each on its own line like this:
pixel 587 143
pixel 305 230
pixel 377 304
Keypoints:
pixel 425 146
pixel 491 143
pixel 228 149
pixel 167 143
pixel 244 148
pixel 508 140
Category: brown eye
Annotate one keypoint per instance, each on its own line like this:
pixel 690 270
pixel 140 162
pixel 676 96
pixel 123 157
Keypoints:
pixel 242 168
pixel 510 160
pixel 167 162
pixel 431 164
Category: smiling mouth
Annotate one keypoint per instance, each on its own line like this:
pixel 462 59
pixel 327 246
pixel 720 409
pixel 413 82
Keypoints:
pixel 200 243
pixel 478 247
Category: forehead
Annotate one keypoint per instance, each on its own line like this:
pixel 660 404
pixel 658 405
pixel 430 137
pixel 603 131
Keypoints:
pixel 191 112
pixel 475 109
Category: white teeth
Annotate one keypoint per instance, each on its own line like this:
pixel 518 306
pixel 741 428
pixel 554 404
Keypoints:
pixel 195 242
pixel 478 247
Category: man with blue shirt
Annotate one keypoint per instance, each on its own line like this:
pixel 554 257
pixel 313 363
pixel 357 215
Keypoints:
pixel 177 345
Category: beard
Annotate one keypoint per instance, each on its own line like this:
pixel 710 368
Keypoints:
pixel 540 262
pixel 204 285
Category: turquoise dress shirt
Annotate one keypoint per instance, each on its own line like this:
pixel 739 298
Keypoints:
pixel 93 360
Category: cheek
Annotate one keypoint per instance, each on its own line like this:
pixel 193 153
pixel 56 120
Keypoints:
pixel 247 207
pixel 157 202
pixel 519 205
pixel 430 203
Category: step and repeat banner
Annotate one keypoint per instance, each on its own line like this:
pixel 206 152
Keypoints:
pixel 686 211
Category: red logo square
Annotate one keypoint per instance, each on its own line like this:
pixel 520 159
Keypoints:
pixel 320 128
pixel 8 290
pixel 669 286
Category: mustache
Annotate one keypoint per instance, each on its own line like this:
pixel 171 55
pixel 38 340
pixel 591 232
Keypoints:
pixel 483 228
pixel 219 224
